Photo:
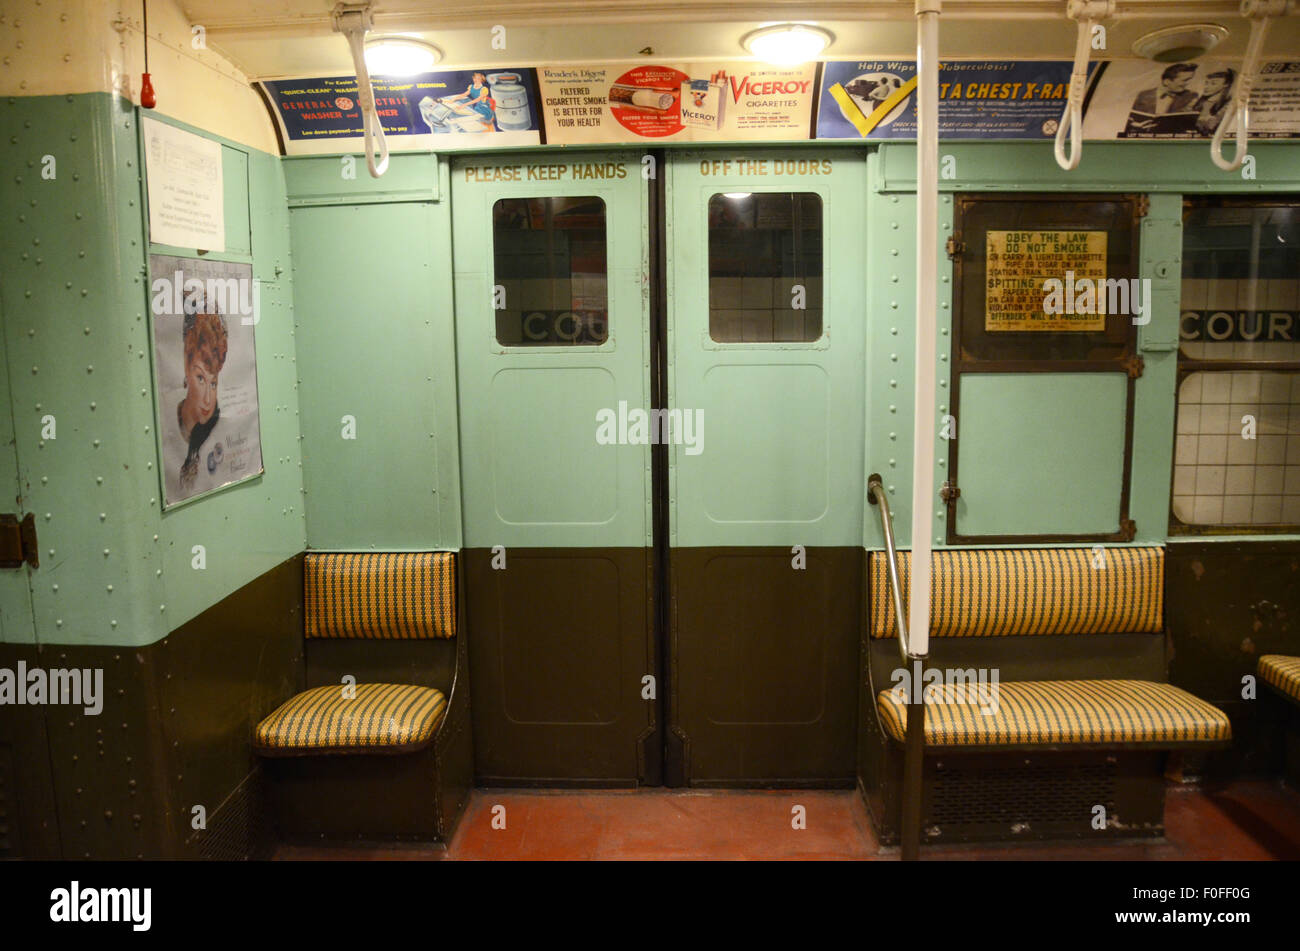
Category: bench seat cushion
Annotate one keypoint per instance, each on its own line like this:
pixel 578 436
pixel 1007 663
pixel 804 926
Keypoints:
pixel 1282 673
pixel 398 595
pixel 1004 592
pixel 1105 712
pixel 382 718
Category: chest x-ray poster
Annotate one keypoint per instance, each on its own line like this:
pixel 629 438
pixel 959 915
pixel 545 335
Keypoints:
pixel 204 314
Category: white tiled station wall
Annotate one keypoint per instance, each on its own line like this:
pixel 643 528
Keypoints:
pixel 1221 477
pixel 758 309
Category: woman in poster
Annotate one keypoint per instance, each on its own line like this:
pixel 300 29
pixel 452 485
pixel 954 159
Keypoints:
pixel 192 441
pixel 1214 100
pixel 477 98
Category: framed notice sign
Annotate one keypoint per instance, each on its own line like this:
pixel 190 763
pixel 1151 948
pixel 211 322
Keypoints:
pixel 1045 280
pixel 186 194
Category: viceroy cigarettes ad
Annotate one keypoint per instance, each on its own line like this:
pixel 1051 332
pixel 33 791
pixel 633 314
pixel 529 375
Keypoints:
pixel 695 103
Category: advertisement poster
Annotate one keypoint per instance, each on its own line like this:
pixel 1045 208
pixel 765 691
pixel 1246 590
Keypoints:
pixel 977 100
pixel 693 103
pixel 205 361
pixel 186 201
pixel 454 109
pixel 1143 100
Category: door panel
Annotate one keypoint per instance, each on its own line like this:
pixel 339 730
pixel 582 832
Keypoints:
pixel 765 665
pixel 552 332
pixel 17 623
pixel 1068 443
pixel 1072 374
pixel 766 344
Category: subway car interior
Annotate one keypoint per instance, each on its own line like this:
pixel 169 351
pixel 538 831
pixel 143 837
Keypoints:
pixel 624 430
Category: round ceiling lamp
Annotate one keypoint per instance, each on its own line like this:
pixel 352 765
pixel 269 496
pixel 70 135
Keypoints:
pixel 1176 44
pixel 400 55
pixel 788 43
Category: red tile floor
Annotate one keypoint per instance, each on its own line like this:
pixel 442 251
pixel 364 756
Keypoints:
pixel 1248 819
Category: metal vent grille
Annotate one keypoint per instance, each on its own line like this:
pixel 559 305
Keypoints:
pixel 236 831
pixel 1030 799
pixel 8 805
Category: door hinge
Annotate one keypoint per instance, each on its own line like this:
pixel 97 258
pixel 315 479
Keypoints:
pixel 1127 529
pixel 950 493
pixel 954 246
pixel 1134 366
pixel 18 541
pixel 1143 206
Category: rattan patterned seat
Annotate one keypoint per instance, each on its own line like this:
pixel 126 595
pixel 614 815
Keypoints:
pixel 367 718
pixel 1068 712
pixel 1282 673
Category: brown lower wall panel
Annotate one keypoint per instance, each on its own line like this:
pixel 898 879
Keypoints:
pixel 764 686
pixel 1227 603
pixel 559 641
pixel 175 731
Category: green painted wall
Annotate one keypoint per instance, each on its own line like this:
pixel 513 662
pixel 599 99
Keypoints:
pixel 114 568
pixel 378 304
pixel 15 592
pixel 1041 449
pixel 1165 171
pixel 376 342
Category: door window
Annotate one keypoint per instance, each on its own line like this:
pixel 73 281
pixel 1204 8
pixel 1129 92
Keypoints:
pixel 549 265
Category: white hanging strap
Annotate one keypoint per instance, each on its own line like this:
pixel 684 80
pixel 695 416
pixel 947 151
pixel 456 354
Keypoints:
pixel 353 21
pixel 1087 13
pixel 1238 111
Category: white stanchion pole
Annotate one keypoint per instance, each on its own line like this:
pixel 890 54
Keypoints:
pixel 924 430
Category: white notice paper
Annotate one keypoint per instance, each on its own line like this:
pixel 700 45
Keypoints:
pixel 186 197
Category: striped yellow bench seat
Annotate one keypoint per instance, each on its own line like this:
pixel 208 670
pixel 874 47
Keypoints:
pixel 1006 592
pixel 1282 673
pixel 1048 712
pixel 386 595
pixel 380 718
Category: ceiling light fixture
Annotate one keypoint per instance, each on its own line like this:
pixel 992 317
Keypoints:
pixel 1177 44
pixel 788 43
pixel 400 55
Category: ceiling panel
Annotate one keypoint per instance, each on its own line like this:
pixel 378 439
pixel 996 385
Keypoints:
pixel 294 37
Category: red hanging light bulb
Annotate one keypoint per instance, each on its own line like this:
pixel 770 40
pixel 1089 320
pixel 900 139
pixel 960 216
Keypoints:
pixel 147 99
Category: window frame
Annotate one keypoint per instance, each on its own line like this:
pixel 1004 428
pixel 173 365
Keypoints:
pixel 821 341
pixel 560 346
pixel 1187 365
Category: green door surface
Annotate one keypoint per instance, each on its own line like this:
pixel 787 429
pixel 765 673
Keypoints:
pixel 552 340
pixel 16 621
pixel 766 282
pixel 1067 440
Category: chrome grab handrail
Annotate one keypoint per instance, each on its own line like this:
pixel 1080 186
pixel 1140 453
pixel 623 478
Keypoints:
pixel 914 741
pixel 877 496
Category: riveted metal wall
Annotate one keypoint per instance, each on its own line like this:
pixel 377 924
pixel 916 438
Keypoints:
pixel 1164 171
pixel 376 342
pixel 114 569
pixel 174 733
